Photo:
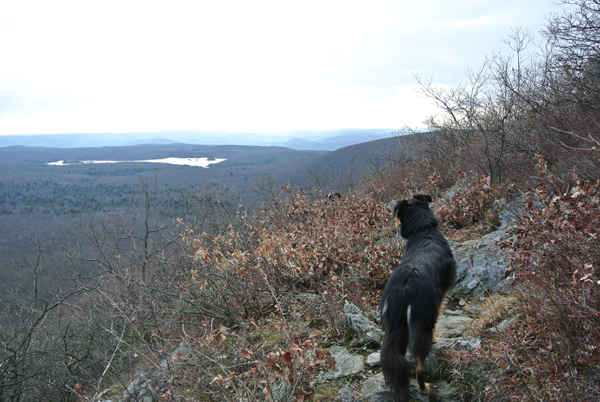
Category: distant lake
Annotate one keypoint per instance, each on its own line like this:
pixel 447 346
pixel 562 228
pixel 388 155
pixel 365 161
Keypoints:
pixel 201 162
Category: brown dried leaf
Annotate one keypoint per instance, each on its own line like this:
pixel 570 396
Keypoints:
pixel 246 354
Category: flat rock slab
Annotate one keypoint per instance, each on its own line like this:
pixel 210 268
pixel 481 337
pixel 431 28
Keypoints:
pixel 375 390
pixel 452 325
pixel 346 364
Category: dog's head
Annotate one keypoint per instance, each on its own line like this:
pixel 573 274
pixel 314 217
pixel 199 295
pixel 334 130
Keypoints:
pixel 414 214
pixel 418 201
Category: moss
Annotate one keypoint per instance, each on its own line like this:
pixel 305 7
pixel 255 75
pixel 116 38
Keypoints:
pixel 326 392
pixel 267 336
pixel 385 233
pixel 114 391
pixel 492 219
pixel 495 309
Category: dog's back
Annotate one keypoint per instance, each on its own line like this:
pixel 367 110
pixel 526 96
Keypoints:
pixel 420 282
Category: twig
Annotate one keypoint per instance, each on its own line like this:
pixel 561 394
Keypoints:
pixel 473 270
pixel 276 300
pixel 109 362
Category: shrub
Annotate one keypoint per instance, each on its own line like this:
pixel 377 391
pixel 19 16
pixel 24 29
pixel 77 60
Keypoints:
pixel 551 352
pixel 469 202
pixel 323 246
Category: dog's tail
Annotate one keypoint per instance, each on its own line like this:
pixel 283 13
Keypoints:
pixel 412 290
pixel 394 316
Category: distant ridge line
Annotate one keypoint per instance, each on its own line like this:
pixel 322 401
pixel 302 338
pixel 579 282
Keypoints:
pixel 324 140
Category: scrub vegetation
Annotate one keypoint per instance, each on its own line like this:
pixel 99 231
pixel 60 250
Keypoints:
pixel 213 297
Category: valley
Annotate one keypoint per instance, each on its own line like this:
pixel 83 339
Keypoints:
pixel 45 192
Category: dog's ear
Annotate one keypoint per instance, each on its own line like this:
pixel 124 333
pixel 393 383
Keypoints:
pixel 399 209
pixel 423 197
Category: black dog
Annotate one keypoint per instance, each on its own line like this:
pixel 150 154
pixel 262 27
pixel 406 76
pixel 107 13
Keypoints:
pixel 414 294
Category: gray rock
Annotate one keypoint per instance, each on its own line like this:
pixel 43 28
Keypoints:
pixel 511 213
pixel 506 285
pixel 453 312
pixel 452 325
pixel 358 323
pixel 445 392
pixel 282 390
pixel 480 266
pixel 374 359
pixel 475 310
pixel 139 390
pixel 374 389
pixel 443 344
pixel 469 343
pixel 376 316
pixel 346 395
pixel 504 324
pixel 345 363
pixel 144 387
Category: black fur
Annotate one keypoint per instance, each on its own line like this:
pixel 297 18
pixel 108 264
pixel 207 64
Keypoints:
pixel 420 282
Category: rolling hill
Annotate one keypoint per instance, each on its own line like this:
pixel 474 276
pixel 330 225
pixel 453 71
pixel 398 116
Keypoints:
pixel 40 201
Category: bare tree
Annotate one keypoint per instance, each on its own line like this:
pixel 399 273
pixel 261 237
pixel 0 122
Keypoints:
pixel 479 128
pixel 576 38
pixel 43 349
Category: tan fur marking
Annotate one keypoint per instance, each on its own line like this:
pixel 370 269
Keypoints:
pixel 423 386
pixel 440 312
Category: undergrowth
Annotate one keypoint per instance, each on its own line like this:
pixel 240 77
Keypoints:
pixel 261 300
pixel 551 352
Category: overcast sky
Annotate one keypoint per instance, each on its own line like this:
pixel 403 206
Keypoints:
pixel 240 65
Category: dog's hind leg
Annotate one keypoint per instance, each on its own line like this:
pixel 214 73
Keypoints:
pixel 423 386
pixel 440 312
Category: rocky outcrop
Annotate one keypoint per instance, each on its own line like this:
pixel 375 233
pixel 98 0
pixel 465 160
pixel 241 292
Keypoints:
pixel 482 269
pixel 358 323
pixel 450 328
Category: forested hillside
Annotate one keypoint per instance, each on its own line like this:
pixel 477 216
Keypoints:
pixel 221 299
pixel 41 201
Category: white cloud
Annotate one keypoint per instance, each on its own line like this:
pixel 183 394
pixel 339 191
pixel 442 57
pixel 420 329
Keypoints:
pixel 128 65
